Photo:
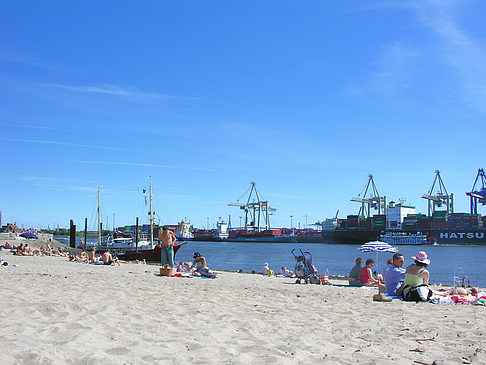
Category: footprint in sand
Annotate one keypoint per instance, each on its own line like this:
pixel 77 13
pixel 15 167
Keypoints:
pixel 118 351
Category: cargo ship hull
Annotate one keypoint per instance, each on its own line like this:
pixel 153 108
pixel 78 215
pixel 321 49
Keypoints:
pixel 441 237
pixel 458 237
pixel 261 239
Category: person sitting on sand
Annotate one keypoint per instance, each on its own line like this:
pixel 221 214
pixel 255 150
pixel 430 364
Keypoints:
pixel 27 251
pixel 366 277
pixel 108 259
pixel 91 256
pixel 355 273
pixel 394 274
pixel 200 264
pixel 416 273
pixel 49 244
pixel 265 269
pixel 287 273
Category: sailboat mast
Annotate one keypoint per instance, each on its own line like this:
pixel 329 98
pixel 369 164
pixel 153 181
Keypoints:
pixel 151 217
pixel 99 217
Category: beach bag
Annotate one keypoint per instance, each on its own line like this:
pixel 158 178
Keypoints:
pixel 166 270
pixel 421 293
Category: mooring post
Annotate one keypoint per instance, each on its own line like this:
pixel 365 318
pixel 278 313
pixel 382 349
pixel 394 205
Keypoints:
pixel 72 234
pixel 136 236
pixel 85 232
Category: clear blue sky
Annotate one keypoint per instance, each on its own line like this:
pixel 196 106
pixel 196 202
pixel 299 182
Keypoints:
pixel 306 98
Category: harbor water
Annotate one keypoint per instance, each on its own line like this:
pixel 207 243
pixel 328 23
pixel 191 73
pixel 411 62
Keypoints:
pixel 337 258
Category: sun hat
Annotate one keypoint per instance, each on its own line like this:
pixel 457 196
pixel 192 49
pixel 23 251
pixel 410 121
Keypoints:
pixel 422 257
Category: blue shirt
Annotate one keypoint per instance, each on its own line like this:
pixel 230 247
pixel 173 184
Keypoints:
pixel 393 277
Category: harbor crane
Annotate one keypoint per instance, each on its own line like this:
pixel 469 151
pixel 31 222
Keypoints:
pixel 478 195
pixel 440 198
pixel 257 211
pixel 370 199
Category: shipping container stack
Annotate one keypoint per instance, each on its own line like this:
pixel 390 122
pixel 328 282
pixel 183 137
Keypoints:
pixel 424 222
pixel 379 222
pixel 410 223
pixel 439 220
pixel 355 222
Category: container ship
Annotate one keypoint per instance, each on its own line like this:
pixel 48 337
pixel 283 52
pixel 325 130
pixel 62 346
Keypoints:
pixel 441 225
pixel 441 228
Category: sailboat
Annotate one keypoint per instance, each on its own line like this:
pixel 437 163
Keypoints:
pixel 133 249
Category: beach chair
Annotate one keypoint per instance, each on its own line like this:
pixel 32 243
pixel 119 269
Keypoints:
pixel 460 279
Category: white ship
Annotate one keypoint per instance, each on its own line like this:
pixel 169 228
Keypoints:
pixel 402 238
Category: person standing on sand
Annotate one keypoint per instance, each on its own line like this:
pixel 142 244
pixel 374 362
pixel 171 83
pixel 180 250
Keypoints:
pixel 168 239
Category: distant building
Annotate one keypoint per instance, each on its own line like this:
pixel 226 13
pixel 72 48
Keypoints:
pixel 395 214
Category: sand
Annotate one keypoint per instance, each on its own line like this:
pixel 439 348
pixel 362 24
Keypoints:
pixel 60 312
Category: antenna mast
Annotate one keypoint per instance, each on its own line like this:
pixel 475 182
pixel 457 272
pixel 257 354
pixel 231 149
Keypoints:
pixel 99 217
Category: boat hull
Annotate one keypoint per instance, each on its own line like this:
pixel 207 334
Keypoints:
pixel 260 239
pixel 458 237
pixel 152 255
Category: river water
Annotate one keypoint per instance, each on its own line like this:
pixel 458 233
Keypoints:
pixel 338 259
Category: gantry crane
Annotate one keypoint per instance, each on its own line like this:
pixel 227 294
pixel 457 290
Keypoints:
pixel 478 196
pixel 373 201
pixel 440 198
pixel 257 211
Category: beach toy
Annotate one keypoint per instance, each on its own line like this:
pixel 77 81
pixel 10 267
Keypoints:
pixel 325 277
pixel 270 272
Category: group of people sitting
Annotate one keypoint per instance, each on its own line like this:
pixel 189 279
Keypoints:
pixel 394 279
pixel 196 268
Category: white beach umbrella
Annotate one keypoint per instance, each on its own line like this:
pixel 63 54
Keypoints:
pixel 377 246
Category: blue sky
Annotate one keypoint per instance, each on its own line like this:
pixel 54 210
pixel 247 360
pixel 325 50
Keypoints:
pixel 306 98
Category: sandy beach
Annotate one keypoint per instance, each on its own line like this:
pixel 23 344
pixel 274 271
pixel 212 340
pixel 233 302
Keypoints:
pixel 60 312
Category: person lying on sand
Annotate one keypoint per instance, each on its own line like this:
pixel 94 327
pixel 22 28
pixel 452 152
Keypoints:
pixel 60 253
pixel 456 291
pixel 287 273
pixel 184 266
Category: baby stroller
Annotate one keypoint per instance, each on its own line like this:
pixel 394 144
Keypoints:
pixel 304 270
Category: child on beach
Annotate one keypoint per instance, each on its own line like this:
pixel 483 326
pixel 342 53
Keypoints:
pixel 366 277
